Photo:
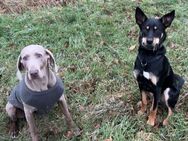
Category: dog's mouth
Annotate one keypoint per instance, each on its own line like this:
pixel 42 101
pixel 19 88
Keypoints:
pixel 150 44
pixel 33 76
pixel 150 47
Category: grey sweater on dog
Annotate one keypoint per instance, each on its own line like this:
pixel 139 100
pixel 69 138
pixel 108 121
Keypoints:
pixel 43 101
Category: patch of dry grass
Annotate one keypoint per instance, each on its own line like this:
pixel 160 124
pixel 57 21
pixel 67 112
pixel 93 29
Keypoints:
pixel 19 6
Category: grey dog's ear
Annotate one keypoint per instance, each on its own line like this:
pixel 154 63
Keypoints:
pixel 51 61
pixel 20 68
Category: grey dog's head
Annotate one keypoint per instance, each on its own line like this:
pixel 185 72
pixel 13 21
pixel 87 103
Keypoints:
pixel 34 60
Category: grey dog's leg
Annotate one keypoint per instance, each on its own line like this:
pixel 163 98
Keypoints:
pixel 64 107
pixel 31 122
pixel 11 111
pixel 70 123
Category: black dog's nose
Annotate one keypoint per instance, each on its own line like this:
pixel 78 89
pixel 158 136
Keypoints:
pixel 149 40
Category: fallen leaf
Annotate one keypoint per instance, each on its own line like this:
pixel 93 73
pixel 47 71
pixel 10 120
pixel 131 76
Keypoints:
pixel 116 61
pixel 172 45
pixel 66 44
pixel 72 68
pixel 142 135
pixel 132 47
pixel 81 108
pixel 97 126
pixel 102 42
pixel 69 134
pixel 98 33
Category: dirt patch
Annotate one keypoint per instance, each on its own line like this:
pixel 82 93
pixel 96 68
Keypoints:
pixel 110 107
pixel 144 136
pixel 19 6
pixel 82 86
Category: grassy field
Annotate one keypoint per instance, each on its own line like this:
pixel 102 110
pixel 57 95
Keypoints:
pixel 95 44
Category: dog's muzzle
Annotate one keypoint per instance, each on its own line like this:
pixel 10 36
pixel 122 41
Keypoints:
pixel 150 43
pixel 34 74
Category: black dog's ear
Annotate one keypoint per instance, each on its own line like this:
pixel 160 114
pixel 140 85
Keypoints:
pixel 168 18
pixel 140 16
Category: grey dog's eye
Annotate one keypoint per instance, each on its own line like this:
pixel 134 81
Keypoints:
pixel 38 55
pixel 25 58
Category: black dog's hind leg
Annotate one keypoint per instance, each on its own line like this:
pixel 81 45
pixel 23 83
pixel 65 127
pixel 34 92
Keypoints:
pixel 170 103
pixel 171 95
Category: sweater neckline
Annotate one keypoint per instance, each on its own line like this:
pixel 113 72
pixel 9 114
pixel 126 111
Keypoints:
pixel 40 92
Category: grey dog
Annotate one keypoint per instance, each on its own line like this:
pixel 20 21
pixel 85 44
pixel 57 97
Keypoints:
pixel 38 90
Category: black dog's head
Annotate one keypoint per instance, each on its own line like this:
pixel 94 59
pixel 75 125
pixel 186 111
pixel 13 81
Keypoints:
pixel 152 30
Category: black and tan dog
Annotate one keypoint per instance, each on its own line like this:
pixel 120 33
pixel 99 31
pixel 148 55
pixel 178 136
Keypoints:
pixel 152 68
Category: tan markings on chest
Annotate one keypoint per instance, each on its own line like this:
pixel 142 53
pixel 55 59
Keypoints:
pixel 150 76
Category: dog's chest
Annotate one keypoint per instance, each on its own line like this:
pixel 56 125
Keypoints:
pixel 148 68
pixel 42 101
pixel 142 75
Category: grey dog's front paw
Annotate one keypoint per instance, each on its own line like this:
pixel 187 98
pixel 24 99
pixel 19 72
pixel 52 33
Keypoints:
pixel 74 132
pixel 14 134
pixel 77 131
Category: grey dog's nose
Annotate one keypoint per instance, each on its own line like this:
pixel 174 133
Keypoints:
pixel 149 40
pixel 34 73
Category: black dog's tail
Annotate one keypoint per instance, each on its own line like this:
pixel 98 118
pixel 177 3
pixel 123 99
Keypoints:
pixel 178 82
pixel 174 92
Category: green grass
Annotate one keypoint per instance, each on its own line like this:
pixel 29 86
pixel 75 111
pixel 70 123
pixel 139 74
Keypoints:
pixel 91 41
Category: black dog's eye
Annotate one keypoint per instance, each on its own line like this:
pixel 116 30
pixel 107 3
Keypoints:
pixel 147 27
pixel 155 28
